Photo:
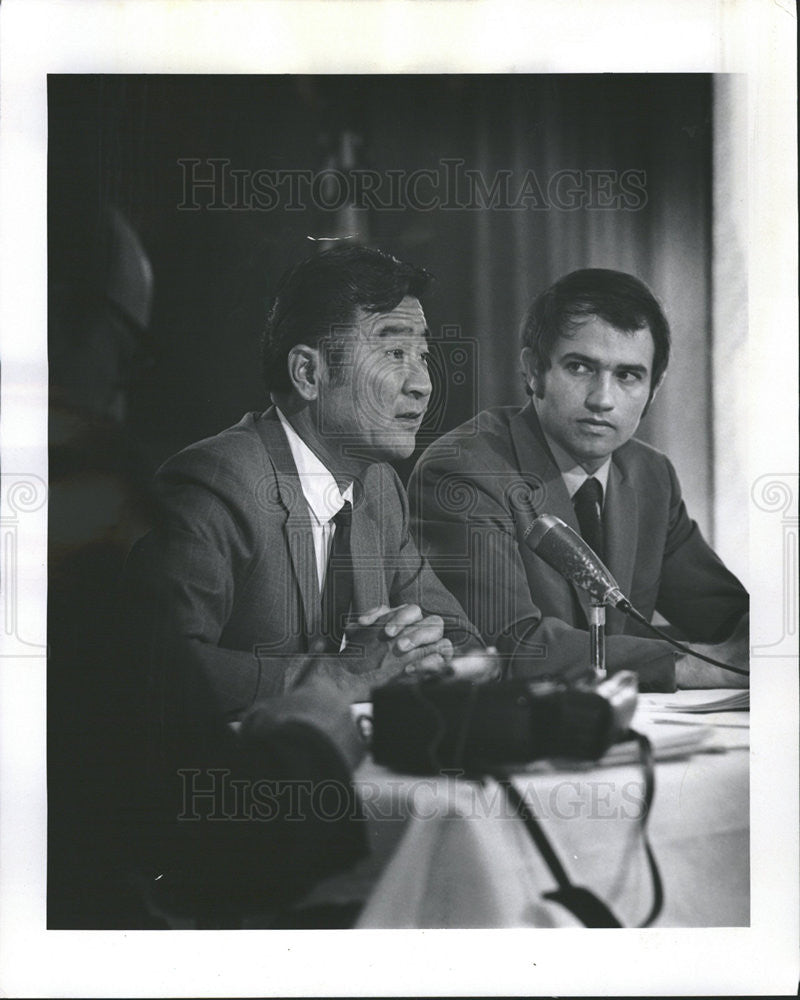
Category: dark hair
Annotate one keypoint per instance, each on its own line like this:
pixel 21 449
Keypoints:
pixel 623 301
pixel 323 292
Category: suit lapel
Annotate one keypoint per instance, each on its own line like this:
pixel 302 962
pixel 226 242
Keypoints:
pixel 369 578
pixel 369 571
pixel 550 494
pixel 297 529
pixel 620 515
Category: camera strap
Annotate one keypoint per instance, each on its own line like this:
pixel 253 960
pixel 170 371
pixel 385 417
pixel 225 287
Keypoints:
pixel 648 767
pixel 582 902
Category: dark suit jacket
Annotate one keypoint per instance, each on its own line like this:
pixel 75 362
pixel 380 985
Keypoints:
pixel 228 578
pixel 475 490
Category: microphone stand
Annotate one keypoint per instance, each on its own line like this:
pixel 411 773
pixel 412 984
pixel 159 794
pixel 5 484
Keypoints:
pixel 597 639
pixel 563 549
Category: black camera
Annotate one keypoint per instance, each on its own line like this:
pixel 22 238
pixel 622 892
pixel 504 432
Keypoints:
pixel 427 726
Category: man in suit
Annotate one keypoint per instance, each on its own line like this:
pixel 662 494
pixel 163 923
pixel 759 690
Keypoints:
pixel 249 516
pixel 282 566
pixel 595 349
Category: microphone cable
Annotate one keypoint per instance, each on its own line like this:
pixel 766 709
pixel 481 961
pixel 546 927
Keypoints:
pixel 570 555
pixel 582 902
pixel 625 606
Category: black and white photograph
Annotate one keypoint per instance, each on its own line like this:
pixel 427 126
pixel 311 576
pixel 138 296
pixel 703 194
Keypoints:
pixel 408 453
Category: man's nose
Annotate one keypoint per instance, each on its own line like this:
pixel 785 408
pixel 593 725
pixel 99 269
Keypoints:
pixel 418 380
pixel 601 392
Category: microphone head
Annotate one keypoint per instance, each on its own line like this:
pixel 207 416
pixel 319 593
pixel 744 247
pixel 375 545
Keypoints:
pixel 565 550
pixel 539 527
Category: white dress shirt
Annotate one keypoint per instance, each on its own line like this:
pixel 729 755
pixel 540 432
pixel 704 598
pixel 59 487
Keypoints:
pixel 573 474
pixel 322 495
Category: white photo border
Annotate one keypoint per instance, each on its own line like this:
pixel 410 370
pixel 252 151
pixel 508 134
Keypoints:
pixel 397 36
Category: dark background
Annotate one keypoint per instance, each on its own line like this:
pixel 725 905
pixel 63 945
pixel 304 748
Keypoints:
pixel 118 139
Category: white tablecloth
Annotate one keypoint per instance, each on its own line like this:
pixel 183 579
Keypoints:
pixel 450 853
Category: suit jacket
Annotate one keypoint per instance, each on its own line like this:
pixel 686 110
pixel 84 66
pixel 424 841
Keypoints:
pixel 226 584
pixel 476 489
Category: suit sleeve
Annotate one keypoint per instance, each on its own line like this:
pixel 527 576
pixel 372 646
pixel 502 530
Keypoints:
pixel 697 593
pixel 415 582
pixel 470 535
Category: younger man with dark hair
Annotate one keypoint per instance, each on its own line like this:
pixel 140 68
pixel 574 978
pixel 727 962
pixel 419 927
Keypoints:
pixel 595 347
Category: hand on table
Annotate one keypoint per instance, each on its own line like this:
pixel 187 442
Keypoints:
pixel 415 645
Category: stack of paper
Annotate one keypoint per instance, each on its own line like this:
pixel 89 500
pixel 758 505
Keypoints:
pixel 666 740
pixel 735 701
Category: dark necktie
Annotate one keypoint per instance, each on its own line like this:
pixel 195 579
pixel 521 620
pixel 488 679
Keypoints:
pixel 588 503
pixel 337 592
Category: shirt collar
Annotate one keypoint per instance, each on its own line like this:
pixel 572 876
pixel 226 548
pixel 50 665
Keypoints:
pixel 318 484
pixel 573 474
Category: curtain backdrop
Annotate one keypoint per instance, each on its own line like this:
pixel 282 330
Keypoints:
pixel 562 172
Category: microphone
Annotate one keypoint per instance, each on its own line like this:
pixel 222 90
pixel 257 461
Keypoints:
pixel 565 550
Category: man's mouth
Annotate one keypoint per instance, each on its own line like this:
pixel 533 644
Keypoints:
pixel 596 424
pixel 410 416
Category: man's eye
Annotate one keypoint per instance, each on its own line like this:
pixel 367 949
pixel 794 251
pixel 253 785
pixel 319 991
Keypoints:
pixel 629 377
pixel 396 353
pixel 576 367
pixel 425 357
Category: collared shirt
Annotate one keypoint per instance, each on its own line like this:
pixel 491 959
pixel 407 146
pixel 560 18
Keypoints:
pixel 573 474
pixel 322 495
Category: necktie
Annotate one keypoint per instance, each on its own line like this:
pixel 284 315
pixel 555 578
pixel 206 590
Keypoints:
pixel 337 592
pixel 588 502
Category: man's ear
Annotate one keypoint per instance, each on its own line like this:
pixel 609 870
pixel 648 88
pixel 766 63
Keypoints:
pixel 304 369
pixel 529 370
pixel 653 392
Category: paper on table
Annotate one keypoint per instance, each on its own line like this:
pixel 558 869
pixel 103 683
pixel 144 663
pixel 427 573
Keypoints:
pixel 736 701
pixel 667 740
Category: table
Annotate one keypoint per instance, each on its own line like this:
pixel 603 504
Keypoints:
pixel 450 853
